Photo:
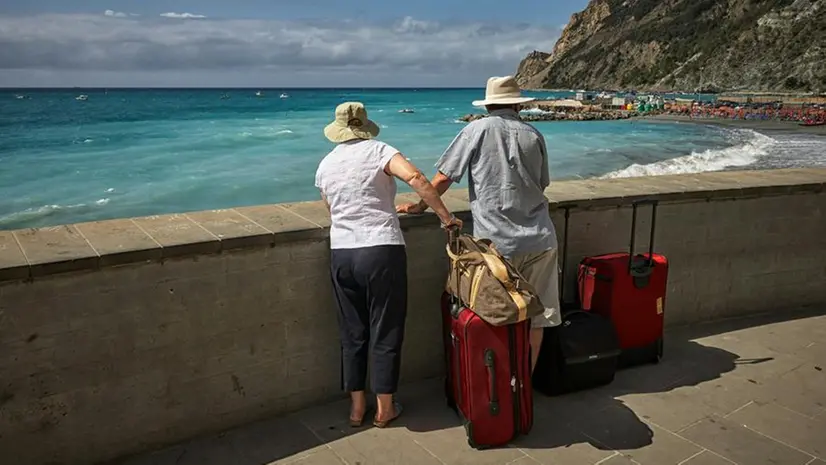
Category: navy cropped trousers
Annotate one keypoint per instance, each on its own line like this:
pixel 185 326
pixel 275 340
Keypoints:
pixel 370 286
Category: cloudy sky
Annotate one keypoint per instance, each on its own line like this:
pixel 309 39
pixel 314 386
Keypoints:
pixel 276 43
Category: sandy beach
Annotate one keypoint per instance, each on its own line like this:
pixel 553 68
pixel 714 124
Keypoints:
pixel 757 125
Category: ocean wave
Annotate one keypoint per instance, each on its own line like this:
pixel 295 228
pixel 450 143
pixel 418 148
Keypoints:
pixel 33 214
pixel 750 147
pixel 255 134
pixel 535 111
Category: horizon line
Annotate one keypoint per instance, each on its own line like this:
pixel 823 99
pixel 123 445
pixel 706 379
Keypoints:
pixel 231 87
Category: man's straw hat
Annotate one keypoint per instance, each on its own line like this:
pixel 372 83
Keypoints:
pixel 502 91
pixel 351 123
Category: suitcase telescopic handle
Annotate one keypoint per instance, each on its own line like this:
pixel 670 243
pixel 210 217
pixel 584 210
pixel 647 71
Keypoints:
pixel 564 263
pixel 647 263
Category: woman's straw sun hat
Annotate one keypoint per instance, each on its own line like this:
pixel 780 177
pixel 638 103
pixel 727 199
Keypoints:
pixel 351 123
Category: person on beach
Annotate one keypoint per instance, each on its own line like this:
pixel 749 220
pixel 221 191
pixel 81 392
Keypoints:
pixel 507 165
pixel 368 262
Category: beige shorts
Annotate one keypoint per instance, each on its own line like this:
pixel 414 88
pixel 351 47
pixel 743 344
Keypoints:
pixel 542 271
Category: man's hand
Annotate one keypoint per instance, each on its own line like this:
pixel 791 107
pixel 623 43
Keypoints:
pixel 412 208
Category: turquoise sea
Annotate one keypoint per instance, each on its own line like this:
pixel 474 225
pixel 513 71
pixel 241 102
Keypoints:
pixel 124 153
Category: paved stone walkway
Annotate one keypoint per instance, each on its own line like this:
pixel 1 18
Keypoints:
pixel 747 391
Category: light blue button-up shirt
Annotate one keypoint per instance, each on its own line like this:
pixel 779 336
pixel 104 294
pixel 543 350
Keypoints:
pixel 507 164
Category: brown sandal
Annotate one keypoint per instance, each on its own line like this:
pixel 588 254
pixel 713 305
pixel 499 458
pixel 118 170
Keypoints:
pixel 357 423
pixel 384 423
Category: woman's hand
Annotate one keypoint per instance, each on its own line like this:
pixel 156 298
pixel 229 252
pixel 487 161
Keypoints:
pixel 453 223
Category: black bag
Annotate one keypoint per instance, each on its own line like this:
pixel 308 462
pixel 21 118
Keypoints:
pixel 581 353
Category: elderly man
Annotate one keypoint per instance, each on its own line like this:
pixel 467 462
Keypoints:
pixel 508 172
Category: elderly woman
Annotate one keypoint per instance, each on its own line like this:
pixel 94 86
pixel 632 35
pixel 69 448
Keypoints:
pixel 368 258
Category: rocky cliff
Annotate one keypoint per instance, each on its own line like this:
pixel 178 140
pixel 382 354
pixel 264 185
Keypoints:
pixel 756 45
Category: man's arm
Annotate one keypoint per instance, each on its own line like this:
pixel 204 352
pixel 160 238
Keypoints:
pixel 401 168
pixel 452 167
pixel 441 183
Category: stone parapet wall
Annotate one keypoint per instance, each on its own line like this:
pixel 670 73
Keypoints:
pixel 124 335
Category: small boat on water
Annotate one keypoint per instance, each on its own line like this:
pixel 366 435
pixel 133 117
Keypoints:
pixel 406 110
pixel 813 123
pixel 21 97
pixel 82 97
pixel 283 96
pixel 259 94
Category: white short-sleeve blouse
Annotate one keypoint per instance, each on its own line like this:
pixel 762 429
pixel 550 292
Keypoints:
pixel 361 195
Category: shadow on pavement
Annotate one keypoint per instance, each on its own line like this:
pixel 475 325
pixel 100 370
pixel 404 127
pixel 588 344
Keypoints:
pixel 596 417
pixel 611 424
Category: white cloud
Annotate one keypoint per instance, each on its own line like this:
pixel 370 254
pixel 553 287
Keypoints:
pixel 182 16
pixel 410 25
pixel 226 52
pixel 115 14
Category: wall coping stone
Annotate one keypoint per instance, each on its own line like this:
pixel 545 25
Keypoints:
pixel 36 252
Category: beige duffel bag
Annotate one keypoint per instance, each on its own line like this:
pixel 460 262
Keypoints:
pixel 487 284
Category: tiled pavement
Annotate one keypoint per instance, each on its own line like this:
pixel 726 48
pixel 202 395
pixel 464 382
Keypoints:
pixel 748 391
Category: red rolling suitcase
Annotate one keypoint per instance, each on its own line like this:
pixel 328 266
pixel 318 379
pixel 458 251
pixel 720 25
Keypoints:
pixel 630 290
pixel 488 380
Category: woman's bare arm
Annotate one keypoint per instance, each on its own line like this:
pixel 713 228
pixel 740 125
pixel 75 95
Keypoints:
pixel 400 167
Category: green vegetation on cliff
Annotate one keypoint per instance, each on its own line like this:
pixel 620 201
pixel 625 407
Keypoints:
pixel 770 45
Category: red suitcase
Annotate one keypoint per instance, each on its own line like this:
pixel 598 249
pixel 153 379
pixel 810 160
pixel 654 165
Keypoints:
pixel 487 380
pixel 631 292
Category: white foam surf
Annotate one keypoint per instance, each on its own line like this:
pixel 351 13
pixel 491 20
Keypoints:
pixel 37 213
pixel 535 111
pixel 750 146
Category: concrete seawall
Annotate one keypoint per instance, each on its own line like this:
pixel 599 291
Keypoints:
pixel 124 335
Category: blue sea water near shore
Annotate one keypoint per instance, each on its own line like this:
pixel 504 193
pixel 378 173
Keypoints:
pixel 124 153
